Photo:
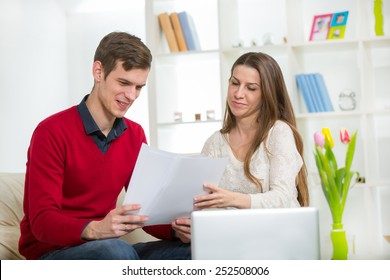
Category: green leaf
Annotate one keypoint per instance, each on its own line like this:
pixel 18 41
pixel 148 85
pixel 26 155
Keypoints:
pixel 324 181
pixel 340 175
pixel 330 156
pixel 346 186
pixel 328 184
pixel 350 152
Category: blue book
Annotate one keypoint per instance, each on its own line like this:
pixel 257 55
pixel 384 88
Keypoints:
pixel 314 92
pixel 194 33
pixel 189 31
pixel 304 88
pixel 328 106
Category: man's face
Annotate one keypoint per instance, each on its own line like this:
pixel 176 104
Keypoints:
pixel 120 89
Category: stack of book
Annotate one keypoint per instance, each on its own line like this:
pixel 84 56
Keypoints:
pixel 180 32
pixel 314 92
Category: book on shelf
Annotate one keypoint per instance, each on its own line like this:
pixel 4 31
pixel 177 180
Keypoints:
pixel 304 89
pixel 178 32
pixel 315 95
pixel 314 92
pixel 194 32
pixel 167 29
pixel 323 92
pixel 189 31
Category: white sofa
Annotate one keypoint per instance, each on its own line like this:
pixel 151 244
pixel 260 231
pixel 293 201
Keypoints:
pixel 11 213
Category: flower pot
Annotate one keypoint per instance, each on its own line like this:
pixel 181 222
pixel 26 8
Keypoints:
pixel 339 242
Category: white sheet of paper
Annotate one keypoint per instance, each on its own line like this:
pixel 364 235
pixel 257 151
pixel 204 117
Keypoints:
pixel 165 183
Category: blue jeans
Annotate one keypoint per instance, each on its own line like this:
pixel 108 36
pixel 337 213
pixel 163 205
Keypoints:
pixel 163 250
pixel 117 249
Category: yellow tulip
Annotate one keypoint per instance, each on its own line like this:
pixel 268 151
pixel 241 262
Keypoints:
pixel 328 135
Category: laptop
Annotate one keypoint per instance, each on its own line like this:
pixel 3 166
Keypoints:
pixel 256 234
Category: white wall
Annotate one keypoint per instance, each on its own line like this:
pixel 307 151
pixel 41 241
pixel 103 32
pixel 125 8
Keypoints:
pixel 32 72
pixel 87 24
pixel 46 53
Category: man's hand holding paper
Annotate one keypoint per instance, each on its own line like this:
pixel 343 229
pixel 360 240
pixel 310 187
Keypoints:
pixel 165 184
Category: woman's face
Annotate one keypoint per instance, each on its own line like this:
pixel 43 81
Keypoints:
pixel 244 92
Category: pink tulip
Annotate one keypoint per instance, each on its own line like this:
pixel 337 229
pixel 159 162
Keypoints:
pixel 319 139
pixel 344 136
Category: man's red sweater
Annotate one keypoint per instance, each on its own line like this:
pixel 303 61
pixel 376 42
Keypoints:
pixel 70 182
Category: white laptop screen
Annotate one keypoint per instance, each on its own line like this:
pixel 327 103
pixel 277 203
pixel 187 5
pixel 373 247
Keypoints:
pixel 282 233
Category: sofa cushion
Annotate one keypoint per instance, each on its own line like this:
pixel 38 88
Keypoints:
pixel 11 212
pixel 9 243
pixel 11 199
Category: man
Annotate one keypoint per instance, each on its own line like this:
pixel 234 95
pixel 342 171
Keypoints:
pixel 80 159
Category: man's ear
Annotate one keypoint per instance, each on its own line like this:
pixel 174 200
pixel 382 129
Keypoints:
pixel 97 71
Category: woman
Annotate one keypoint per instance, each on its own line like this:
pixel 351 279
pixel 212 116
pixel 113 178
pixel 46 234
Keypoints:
pixel 259 136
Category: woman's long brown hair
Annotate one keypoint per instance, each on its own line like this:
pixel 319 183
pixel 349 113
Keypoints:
pixel 275 105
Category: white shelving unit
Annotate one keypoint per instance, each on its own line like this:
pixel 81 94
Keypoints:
pixel 194 82
pixel 185 82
